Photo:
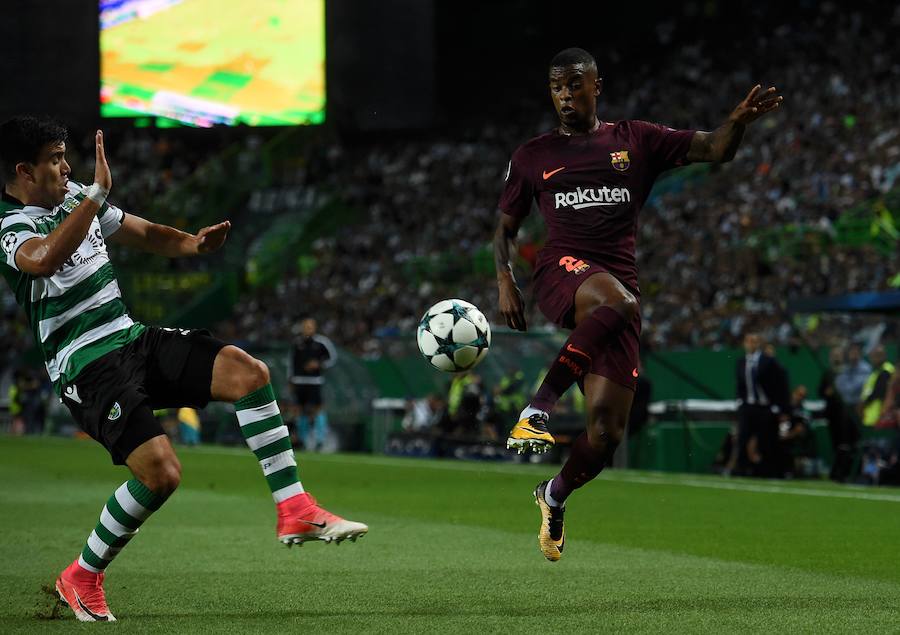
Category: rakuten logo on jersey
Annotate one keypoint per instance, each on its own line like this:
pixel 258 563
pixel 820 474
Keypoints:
pixel 593 197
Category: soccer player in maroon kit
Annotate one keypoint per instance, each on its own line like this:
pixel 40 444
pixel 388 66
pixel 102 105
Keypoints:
pixel 590 179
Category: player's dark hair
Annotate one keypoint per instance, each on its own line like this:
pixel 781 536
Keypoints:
pixel 572 56
pixel 22 138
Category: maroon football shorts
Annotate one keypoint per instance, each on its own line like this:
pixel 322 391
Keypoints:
pixel 556 280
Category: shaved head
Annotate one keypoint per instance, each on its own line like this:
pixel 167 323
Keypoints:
pixel 572 57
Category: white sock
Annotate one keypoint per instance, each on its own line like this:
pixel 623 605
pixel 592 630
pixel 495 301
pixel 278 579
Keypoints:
pixel 549 499
pixel 530 411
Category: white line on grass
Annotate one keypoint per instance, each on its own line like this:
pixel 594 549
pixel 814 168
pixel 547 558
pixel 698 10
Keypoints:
pixel 753 487
pixel 624 476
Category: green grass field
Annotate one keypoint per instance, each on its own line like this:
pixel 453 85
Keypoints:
pixel 452 546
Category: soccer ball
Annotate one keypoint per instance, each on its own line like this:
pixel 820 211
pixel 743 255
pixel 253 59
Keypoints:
pixel 454 336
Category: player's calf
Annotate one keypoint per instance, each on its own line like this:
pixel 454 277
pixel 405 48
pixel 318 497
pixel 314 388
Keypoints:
pixel 299 517
pixel 80 585
pixel 575 360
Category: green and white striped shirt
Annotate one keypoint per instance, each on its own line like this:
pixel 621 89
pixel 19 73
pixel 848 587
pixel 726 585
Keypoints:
pixel 76 315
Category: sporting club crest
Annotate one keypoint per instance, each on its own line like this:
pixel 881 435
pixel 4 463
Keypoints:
pixel 620 160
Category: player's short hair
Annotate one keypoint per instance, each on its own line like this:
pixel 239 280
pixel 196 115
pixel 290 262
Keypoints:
pixel 22 138
pixel 572 56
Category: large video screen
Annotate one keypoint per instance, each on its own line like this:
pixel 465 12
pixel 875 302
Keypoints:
pixel 206 62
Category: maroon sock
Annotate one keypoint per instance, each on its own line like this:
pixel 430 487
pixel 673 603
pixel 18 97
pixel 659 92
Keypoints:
pixel 574 359
pixel 583 465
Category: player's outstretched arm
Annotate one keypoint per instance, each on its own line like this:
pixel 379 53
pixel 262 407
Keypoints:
pixel 721 144
pixel 42 257
pixel 163 240
pixel 512 305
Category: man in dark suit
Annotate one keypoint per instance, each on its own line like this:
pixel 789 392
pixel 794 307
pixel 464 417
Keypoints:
pixel 763 400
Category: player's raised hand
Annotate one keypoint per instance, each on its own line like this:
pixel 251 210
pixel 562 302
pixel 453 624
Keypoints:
pixel 102 175
pixel 512 305
pixel 209 239
pixel 757 103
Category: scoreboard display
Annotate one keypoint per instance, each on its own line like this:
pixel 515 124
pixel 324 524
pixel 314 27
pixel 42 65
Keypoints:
pixel 207 62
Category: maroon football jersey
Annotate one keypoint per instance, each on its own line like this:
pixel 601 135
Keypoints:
pixel 590 188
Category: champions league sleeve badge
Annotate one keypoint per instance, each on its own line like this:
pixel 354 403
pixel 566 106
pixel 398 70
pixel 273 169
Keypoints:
pixel 9 241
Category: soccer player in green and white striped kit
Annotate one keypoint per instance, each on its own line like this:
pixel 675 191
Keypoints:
pixel 110 371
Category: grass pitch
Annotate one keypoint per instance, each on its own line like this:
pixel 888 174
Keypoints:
pixel 453 546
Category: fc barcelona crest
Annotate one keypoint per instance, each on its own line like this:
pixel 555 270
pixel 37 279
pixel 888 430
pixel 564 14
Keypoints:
pixel 620 160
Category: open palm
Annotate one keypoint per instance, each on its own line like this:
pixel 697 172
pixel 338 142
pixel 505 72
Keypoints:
pixel 757 103
pixel 211 238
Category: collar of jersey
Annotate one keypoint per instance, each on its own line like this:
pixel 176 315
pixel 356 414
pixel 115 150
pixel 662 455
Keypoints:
pixel 35 210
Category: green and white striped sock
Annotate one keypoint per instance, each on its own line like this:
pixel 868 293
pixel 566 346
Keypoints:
pixel 268 437
pixel 124 512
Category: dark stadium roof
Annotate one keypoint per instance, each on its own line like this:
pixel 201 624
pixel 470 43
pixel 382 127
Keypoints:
pixel 870 302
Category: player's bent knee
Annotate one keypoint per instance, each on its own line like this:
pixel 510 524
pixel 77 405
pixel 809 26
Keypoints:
pixel 605 428
pixel 626 305
pixel 163 476
pixel 168 480
pixel 257 375
pixel 237 374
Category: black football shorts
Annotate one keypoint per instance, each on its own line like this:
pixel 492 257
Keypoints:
pixel 162 368
pixel 308 394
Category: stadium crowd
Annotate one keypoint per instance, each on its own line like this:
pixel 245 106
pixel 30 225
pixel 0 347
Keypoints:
pixel 706 248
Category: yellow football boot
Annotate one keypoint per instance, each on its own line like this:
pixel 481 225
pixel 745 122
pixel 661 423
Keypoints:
pixel 552 534
pixel 531 434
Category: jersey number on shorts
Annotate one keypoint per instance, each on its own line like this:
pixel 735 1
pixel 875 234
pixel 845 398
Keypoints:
pixel 573 265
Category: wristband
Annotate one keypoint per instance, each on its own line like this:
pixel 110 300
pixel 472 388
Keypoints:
pixel 97 194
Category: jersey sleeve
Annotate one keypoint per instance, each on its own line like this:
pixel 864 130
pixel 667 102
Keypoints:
pixel 15 229
pixel 518 190
pixel 666 147
pixel 109 216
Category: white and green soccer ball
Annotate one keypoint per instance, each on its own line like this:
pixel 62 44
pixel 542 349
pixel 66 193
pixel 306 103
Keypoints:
pixel 454 336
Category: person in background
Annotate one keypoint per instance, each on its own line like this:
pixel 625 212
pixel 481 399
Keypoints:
pixel 890 411
pixel 795 438
pixel 764 401
pixel 425 415
pixel 15 405
pixel 312 354
pixel 31 400
pixel 841 430
pixel 875 389
pixel 508 395
pixel 889 474
pixel 852 377
pixel 189 426
pixel 464 402
pixel 722 461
